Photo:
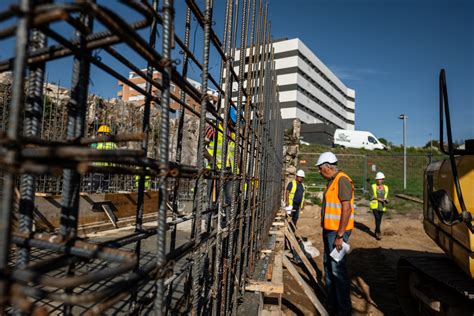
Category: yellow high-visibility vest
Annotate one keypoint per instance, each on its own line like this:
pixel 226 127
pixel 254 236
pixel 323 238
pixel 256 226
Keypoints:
pixel 147 181
pixel 374 203
pixel 105 146
pixel 292 192
pixel 230 150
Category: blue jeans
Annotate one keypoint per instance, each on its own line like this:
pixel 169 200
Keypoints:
pixel 336 276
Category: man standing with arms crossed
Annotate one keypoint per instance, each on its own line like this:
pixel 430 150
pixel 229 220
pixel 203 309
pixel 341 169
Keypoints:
pixel 337 219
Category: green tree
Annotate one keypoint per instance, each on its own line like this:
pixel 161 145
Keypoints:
pixel 434 143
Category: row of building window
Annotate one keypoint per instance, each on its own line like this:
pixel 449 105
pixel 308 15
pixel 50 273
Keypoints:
pixel 324 91
pixel 323 75
pixel 313 66
pixel 324 105
pixel 316 115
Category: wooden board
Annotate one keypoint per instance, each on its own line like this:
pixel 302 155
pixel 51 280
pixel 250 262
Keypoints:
pixel 264 286
pixel 275 232
pixel 296 247
pixel 277 273
pixel 306 288
pixel 410 198
pixel 271 311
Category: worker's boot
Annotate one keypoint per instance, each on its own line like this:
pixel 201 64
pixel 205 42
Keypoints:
pixel 378 236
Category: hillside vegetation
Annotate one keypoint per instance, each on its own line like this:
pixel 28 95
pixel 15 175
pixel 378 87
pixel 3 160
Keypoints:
pixel 362 165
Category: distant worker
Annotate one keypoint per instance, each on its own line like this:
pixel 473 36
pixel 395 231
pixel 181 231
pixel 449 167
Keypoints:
pixel 378 202
pixel 294 195
pixel 337 220
pixel 215 141
pixel 147 180
pixel 101 181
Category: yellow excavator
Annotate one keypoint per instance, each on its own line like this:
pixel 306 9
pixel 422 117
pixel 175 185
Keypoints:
pixel 444 284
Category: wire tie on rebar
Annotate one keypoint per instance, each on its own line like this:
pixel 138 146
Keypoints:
pixel 176 62
pixel 166 62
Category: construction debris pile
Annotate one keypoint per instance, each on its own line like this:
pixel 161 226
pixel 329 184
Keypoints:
pixel 47 132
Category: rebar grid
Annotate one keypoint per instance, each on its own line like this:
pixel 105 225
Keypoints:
pixel 46 139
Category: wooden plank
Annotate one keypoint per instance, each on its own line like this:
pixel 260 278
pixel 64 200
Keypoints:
pixel 271 310
pixel 275 232
pixel 277 275
pixel 410 198
pixel 306 288
pixel 266 251
pixel 41 194
pixel 293 229
pixel 278 224
pixel 264 286
pixel 296 246
pixel 269 272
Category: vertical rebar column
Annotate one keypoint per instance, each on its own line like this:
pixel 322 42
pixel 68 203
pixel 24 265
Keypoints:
pixel 225 84
pixel 197 256
pixel 75 128
pixel 255 136
pixel 236 169
pixel 245 184
pixel 144 146
pixel 218 268
pixel 259 154
pixel 13 133
pixel 31 127
pixel 179 145
pixel 168 14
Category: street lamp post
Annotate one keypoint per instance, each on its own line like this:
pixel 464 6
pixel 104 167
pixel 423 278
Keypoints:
pixel 404 118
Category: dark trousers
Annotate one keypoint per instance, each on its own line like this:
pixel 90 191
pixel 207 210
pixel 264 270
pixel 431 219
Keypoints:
pixel 295 214
pixel 227 199
pixel 100 182
pixel 378 220
pixel 337 279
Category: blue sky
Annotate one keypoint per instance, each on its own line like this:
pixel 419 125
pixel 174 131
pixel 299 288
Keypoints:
pixel 389 51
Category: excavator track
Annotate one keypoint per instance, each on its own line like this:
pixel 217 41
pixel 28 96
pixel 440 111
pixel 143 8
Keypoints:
pixel 434 285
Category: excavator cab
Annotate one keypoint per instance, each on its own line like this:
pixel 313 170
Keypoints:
pixel 444 284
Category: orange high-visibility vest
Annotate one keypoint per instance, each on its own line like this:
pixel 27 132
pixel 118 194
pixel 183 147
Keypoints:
pixel 333 206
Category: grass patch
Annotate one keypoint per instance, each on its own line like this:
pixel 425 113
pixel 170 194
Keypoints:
pixel 362 165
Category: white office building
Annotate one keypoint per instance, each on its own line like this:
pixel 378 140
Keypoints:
pixel 309 90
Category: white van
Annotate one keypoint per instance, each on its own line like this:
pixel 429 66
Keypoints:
pixel 357 139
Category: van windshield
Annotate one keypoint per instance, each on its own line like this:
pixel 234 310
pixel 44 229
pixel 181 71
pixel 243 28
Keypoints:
pixel 372 140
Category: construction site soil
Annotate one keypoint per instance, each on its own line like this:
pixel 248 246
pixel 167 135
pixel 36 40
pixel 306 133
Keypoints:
pixel 372 263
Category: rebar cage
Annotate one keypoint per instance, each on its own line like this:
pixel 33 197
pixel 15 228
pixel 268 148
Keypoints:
pixel 234 183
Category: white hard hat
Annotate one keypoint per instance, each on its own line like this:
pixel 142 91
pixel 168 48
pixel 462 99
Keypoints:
pixel 379 176
pixel 327 157
pixel 300 173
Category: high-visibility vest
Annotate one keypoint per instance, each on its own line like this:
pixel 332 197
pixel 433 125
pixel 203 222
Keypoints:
pixel 333 206
pixel 105 146
pixel 374 203
pixel 147 181
pixel 292 192
pixel 230 150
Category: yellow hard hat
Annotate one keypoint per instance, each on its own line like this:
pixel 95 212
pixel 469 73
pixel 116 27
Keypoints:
pixel 103 129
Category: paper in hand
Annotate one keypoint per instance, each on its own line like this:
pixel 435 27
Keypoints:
pixel 338 255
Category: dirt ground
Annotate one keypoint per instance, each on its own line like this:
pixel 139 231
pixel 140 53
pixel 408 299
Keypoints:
pixel 371 263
